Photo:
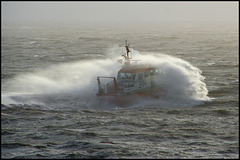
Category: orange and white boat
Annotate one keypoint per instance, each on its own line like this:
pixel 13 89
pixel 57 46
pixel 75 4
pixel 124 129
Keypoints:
pixel 134 81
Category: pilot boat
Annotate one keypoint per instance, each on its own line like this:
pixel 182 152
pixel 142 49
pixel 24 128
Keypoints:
pixel 134 82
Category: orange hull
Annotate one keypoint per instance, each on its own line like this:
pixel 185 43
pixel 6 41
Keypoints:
pixel 127 99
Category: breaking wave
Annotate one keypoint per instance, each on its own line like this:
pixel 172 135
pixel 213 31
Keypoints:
pixel 75 83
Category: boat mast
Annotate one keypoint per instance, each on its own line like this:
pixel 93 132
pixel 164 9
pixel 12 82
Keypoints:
pixel 127 58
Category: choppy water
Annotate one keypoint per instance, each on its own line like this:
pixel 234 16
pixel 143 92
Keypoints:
pixel 50 110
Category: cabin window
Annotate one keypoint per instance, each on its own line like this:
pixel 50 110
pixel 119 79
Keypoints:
pixel 122 76
pixel 151 72
pixel 127 76
pixel 140 76
pixel 157 71
pixel 133 76
pixel 146 74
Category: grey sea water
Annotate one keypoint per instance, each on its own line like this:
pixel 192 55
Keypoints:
pixel 49 107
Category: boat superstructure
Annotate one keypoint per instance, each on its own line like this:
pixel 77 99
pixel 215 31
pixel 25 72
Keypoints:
pixel 132 80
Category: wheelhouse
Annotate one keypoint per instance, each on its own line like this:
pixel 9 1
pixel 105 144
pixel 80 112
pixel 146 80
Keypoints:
pixel 137 78
pixel 131 78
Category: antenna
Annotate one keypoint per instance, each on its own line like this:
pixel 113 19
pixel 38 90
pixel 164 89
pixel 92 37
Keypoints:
pixel 127 58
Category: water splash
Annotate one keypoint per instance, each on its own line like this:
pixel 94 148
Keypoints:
pixel 183 82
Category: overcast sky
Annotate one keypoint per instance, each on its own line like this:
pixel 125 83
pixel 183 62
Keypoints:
pixel 127 12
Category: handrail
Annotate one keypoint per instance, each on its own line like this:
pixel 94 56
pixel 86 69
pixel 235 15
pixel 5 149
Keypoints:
pixel 99 84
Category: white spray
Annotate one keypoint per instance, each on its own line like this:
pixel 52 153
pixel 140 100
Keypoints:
pixel 182 81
